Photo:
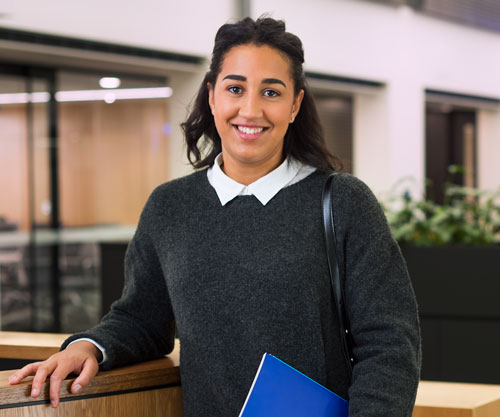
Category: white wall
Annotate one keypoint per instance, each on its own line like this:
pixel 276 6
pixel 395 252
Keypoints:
pixel 187 26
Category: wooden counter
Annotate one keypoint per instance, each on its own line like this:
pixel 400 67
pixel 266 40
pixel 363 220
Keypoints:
pixel 36 346
pixel 145 389
pixel 448 399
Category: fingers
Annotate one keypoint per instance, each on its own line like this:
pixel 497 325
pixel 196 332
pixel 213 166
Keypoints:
pixel 44 369
pixel 58 367
pixel 22 373
pixel 41 370
pixel 81 359
pixel 61 371
pixel 89 370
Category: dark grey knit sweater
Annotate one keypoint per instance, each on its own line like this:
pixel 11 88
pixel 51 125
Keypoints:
pixel 244 279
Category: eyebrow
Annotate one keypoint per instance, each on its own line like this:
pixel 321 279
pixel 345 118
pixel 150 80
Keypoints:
pixel 264 81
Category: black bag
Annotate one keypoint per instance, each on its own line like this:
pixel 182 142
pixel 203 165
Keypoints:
pixel 333 267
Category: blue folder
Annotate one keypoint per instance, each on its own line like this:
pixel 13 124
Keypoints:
pixel 280 390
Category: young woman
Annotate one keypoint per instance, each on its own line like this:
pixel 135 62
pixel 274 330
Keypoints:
pixel 235 255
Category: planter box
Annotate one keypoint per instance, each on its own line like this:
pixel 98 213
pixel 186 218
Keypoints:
pixel 458 293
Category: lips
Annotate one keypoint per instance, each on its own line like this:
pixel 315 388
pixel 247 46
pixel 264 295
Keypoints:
pixel 249 132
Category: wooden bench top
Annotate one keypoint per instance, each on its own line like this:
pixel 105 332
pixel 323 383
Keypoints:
pixel 36 346
pixel 450 399
pixel 158 373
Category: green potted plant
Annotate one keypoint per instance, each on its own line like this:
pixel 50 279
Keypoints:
pixel 452 251
pixel 468 216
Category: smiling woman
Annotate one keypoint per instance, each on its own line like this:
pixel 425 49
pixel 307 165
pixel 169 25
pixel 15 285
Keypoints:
pixel 233 255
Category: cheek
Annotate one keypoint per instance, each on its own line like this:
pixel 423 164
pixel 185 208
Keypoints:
pixel 224 111
pixel 281 117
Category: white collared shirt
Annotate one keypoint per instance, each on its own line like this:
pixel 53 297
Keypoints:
pixel 265 188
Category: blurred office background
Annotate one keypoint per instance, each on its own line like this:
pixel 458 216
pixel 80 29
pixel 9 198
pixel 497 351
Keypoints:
pixel 92 95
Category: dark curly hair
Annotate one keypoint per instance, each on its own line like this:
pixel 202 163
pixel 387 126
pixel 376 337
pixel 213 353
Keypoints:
pixel 304 139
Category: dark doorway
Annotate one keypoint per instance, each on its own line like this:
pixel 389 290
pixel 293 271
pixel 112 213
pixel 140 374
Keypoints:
pixel 450 139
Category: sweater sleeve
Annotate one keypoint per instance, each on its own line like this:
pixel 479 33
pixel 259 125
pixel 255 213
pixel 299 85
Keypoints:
pixel 380 303
pixel 140 325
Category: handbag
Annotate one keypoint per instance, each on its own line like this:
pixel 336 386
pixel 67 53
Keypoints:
pixel 333 268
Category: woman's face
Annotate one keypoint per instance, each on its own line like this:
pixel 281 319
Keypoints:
pixel 253 103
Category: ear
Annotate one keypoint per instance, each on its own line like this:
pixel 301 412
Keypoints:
pixel 296 105
pixel 211 101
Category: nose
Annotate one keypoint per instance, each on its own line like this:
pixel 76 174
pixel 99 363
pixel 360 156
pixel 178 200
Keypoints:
pixel 250 106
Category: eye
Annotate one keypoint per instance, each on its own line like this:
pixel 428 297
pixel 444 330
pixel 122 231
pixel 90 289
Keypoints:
pixel 235 89
pixel 271 93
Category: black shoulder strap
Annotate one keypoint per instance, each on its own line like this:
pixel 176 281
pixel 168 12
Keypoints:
pixel 337 285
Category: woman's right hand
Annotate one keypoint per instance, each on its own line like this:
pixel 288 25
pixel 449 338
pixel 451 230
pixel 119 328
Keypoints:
pixel 80 358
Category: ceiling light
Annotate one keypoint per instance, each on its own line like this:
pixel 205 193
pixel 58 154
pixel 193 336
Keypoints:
pixel 120 94
pixel 109 82
pixel 89 95
pixel 23 98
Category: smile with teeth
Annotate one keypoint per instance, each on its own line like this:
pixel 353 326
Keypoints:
pixel 250 130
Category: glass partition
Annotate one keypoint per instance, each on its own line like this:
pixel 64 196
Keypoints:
pixel 78 159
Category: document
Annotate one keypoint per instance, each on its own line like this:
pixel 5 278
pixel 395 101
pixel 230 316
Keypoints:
pixel 279 390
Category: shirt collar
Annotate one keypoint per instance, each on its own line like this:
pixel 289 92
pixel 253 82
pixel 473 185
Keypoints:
pixel 264 189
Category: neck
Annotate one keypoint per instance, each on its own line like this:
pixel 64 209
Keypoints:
pixel 247 173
